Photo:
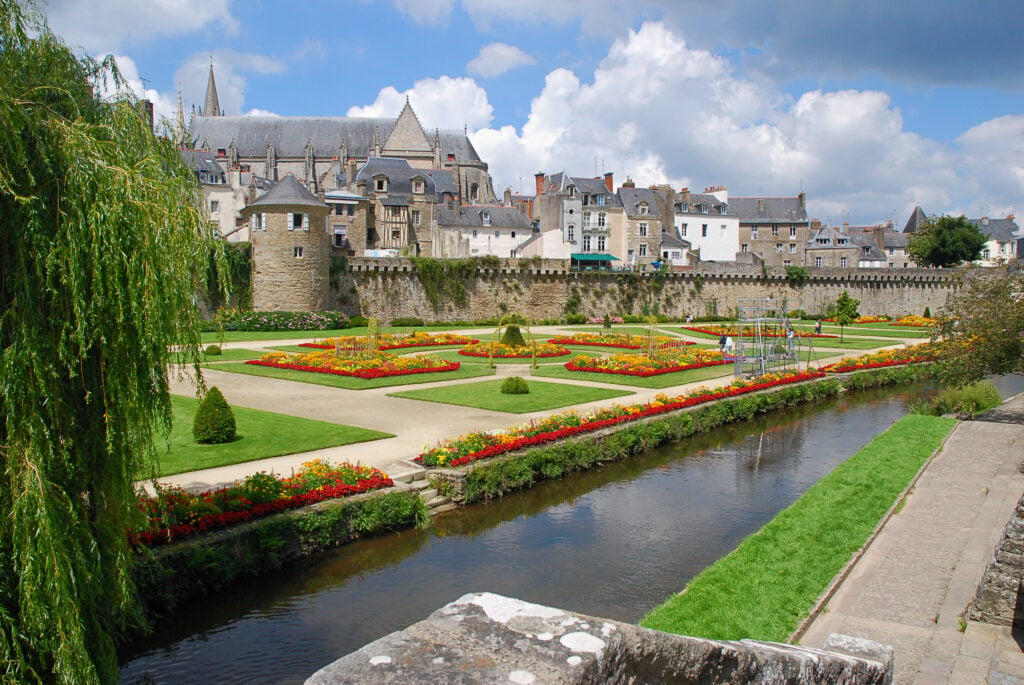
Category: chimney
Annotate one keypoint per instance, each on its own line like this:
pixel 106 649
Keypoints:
pixel 508 197
pixel 539 178
pixel 609 182
pixel 984 221
pixel 803 199
pixel 879 235
pixel 760 204
pixel 684 196
pixel 628 184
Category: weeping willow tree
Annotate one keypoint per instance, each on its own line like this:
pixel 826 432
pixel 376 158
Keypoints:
pixel 101 241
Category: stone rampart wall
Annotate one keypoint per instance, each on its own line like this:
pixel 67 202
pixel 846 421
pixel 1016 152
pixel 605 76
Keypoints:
pixel 388 289
pixel 1000 596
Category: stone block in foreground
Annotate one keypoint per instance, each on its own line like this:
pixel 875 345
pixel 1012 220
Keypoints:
pixel 487 638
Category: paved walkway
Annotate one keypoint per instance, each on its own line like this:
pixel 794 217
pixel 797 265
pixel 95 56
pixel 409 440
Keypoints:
pixel 912 585
pixel 415 424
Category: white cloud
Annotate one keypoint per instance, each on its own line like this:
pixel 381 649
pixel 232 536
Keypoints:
pixel 426 12
pixel 228 67
pixel 100 26
pixel 993 153
pixel 257 112
pixel 496 59
pixel 444 102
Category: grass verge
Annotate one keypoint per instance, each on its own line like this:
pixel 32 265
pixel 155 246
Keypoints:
pixel 487 395
pixel 767 585
pixel 351 383
pixel 666 380
pixel 261 434
pixel 232 355
pixel 215 337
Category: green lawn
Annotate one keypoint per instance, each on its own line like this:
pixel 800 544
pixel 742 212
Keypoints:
pixel 872 329
pixel 261 434
pixel 666 380
pixel 241 336
pixel 350 383
pixel 766 586
pixel 235 355
pixel 487 395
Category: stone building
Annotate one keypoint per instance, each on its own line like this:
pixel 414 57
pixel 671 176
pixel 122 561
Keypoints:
pixel 775 229
pixel 462 231
pixel 291 248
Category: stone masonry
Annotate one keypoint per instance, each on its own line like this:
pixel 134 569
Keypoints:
pixel 999 599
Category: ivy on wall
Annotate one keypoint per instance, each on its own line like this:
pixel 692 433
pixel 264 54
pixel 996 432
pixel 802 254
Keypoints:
pixel 446 280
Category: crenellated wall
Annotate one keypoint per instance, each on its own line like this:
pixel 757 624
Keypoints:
pixel 388 289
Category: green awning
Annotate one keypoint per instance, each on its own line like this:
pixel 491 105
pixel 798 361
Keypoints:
pixel 594 258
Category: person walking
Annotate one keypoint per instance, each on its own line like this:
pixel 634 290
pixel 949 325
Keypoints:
pixel 817 327
pixel 790 335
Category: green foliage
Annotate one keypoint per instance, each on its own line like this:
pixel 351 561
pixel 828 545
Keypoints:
pixel 796 275
pixel 337 266
pixel 402 321
pixel 229 276
pixel 515 385
pixel 237 320
pixel 927 312
pixel 513 336
pixel 212 351
pixel 573 304
pixel 445 280
pixel 214 423
pixel 965 401
pixel 946 241
pixel 102 246
pixel 575 318
pixel 845 312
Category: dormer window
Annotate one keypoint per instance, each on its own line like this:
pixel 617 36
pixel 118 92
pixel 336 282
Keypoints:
pixel 723 209
pixel 703 209
pixel 600 200
pixel 417 186
pixel 643 210
pixel 381 184
pixel 572 191
pixel 842 241
pixel 684 207
pixel 486 218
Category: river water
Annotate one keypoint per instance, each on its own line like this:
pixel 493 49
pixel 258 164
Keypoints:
pixel 611 543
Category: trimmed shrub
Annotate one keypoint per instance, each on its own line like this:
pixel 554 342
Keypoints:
pixel 212 350
pixel 214 423
pixel 359 322
pixel 927 313
pixel 514 385
pixel 575 318
pixel 406 321
pixel 513 336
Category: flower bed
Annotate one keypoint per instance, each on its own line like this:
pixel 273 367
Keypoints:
pixel 391 342
pixel 629 342
pixel 918 321
pixel 600 319
pixel 379 365
pixel 750 331
pixel 473 446
pixel 864 319
pixel 644 366
pixel 925 352
pixel 174 514
pixel 496 349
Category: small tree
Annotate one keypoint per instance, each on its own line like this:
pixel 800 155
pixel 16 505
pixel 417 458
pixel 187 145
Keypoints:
pixel 845 312
pixel 946 241
pixel 214 423
pixel 513 337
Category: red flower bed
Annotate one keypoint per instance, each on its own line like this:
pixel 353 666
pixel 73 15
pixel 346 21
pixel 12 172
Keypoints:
pixel 368 374
pixel 560 353
pixel 732 331
pixel 648 372
pixel 875 365
pixel 151 538
pixel 573 341
pixel 533 440
pixel 469 341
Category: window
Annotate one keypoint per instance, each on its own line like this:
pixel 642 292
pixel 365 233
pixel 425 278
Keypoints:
pixel 259 222
pixel 682 230
pixel 382 185
pixel 842 241
pixel 792 248
pixel 643 230
pixel 985 253
pixel 601 245
pixel 842 262
pixel 703 209
pixel 703 230
pixel 586 243
pixel 351 210
pixel 723 209
pixel 1002 246
pixel 586 219
pixel 297 251
pixel 298 222
pixel 684 207
pixel 571 232
pixel 643 249
pixel 512 234
pixel 753 233
pixel 486 216
pixel 339 209
pixel 497 234
pixel 778 247
pixel 600 200
pixel 817 261
pixel 792 232
pixel 572 191
pixel 396 234
pixel 474 232
pixel 743 247
pixel 787 262
pixel 892 251
pixel 340 236
pixel 214 206
pixel 775 231
pixel 417 186
pixel 415 217
pixel 642 210
pixel 601 219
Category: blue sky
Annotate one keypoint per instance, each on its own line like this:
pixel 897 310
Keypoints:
pixel 872 107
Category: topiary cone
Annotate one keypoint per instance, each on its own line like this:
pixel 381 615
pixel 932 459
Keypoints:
pixel 214 423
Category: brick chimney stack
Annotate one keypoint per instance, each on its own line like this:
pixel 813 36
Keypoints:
pixel 539 178
pixel 609 181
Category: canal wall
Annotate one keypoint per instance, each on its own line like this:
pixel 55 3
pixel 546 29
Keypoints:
pixel 483 637
pixel 1000 596
pixel 398 288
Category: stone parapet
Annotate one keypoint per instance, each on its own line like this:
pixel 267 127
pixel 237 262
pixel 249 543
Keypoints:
pixel 999 599
pixel 487 638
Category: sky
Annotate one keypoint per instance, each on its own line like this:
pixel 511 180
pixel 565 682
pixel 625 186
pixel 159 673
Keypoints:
pixel 871 107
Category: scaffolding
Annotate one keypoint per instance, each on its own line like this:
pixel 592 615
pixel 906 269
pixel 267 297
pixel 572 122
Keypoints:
pixel 766 340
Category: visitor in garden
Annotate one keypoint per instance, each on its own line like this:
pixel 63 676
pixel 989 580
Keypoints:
pixel 721 343
pixel 817 327
pixel 689 318
pixel 790 335
pixel 727 346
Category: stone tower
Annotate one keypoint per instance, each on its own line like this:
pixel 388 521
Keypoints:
pixel 291 251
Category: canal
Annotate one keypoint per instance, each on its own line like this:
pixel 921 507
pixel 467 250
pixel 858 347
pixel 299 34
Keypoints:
pixel 611 543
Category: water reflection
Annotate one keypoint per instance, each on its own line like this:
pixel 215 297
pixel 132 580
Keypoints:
pixel 610 543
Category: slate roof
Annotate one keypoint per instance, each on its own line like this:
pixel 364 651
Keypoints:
pixel 631 198
pixel 399 175
pixel 669 240
pixel 204 165
pixel 713 203
pixel 288 191
pixel 1002 230
pixel 916 221
pixel 869 249
pixel 290 135
pixel 471 216
pixel 776 209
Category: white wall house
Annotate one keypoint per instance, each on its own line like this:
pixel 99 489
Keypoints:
pixel 705 222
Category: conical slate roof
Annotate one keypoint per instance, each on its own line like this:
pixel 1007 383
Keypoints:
pixel 288 192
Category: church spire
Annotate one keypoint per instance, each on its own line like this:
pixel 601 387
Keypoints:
pixel 180 131
pixel 212 106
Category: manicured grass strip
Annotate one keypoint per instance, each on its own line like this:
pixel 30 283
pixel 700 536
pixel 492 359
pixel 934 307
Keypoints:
pixel 350 383
pixel 871 329
pixel 262 434
pixel 234 355
pixel 667 380
pixel 487 395
pixel 619 329
pixel 767 585
pixel 215 337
